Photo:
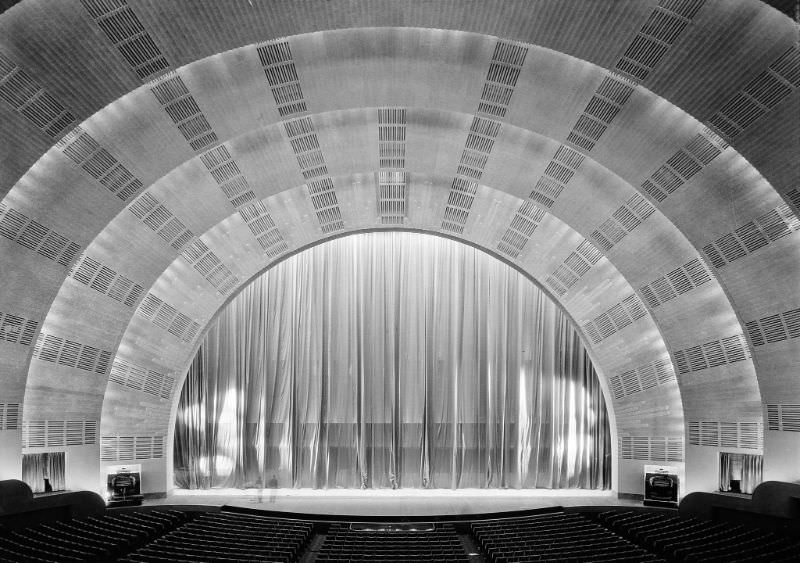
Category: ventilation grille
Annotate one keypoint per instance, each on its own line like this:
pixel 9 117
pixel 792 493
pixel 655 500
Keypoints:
pixel 752 236
pixel 161 221
pixel 101 278
pixel 651 448
pixel 662 28
pixel 783 417
pixel 604 105
pixel 392 179
pixel 522 227
pixel 712 354
pixel 745 435
pixel 142 379
pixel 168 318
pixel 774 328
pixel 676 282
pixel 276 59
pixel 257 218
pixel 118 21
pixel 574 267
pixel 623 221
pixel 64 352
pixel 557 174
pixel 183 110
pixel 31 101
pixel 621 315
pixel 58 433
pixel 319 184
pixel 84 151
pixel 131 448
pixel 210 266
pixel 642 378
pixel 226 173
pixel 16 329
pixel 479 144
pixel 9 416
pixel 34 236
pixel 760 95
pixel 504 70
pixel 684 164
pixel 794 198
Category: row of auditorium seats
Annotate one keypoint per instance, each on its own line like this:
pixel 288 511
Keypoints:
pixel 692 540
pixel 344 543
pixel 226 536
pixel 610 536
pixel 554 537
pixel 96 538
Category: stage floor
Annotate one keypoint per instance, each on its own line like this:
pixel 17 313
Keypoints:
pixel 407 502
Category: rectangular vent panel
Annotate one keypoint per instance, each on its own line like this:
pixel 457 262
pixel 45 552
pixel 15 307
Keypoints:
pixel 19 228
pixel 725 434
pixel 711 354
pixel 131 448
pixel 103 279
pixel 184 111
pixel 16 329
pixel 31 101
pixel 752 236
pixel 774 328
pixel 125 31
pixel 53 349
pixel 783 417
pixel 10 416
pixel 501 78
pixel 651 448
pixel 58 433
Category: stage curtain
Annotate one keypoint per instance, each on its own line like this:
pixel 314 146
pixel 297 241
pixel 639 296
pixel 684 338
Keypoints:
pixel 390 360
pixel 37 467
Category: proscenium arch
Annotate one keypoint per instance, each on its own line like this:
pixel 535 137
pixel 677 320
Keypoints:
pixel 316 116
pixel 746 306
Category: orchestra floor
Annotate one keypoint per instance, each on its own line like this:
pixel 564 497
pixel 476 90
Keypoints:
pixel 407 502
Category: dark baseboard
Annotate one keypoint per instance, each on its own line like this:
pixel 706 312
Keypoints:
pixel 160 494
pixel 630 496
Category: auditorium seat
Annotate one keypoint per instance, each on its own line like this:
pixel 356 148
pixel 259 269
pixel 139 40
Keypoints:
pixel 612 536
pixel 554 537
pixel 228 536
pixel 343 542
pixel 695 541
pixel 97 538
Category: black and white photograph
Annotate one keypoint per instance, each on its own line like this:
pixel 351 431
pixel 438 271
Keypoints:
pixel 480 281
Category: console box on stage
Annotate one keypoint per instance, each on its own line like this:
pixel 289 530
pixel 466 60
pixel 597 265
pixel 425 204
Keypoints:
pixel 124 484
pixel 660 485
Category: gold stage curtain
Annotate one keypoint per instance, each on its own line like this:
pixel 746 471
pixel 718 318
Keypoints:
pixel 389 360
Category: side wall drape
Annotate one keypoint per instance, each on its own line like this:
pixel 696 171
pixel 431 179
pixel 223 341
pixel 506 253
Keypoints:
pixel 745 468
pixel 38 467
pixel 390 360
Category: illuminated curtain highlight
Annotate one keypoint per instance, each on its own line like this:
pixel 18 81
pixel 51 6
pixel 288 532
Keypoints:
pixel 390 360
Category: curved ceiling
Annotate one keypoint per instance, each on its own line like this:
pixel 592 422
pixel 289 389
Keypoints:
pixel 638 159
